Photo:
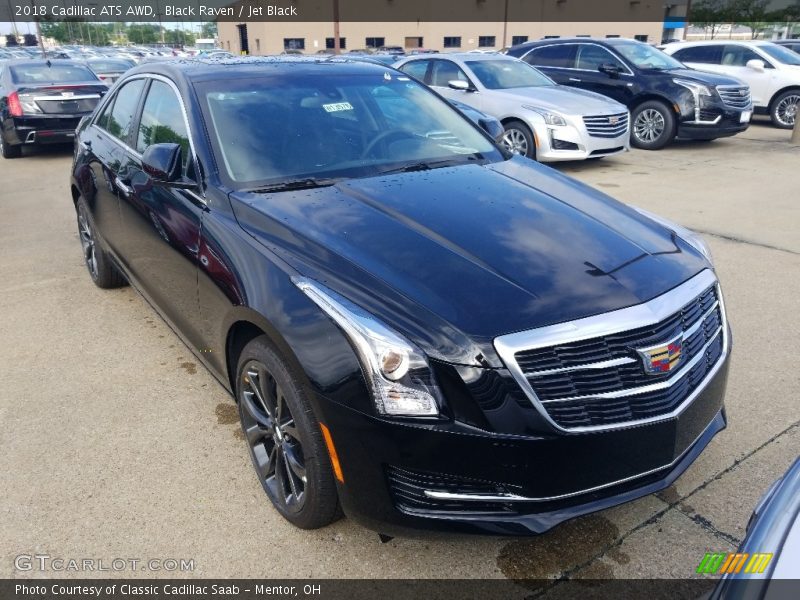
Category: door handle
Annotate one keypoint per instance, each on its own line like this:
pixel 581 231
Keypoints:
pixel 123 187
pixel 86 145
pixel 574 79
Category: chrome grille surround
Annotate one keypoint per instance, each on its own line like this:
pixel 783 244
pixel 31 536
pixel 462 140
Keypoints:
pixel 601 125
pixel 617 322
pixel 733 97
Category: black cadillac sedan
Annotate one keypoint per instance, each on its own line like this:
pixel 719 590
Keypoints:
pixel 42 102
pixel 420 330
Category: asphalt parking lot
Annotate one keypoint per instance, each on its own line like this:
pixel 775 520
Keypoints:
pixel 115 442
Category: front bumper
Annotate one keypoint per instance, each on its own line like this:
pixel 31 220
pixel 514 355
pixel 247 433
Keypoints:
pixel 715 121
pixel 401 476
pixel 573 141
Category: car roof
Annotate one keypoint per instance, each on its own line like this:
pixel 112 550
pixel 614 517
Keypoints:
pixel 573 40
pixel 463 56
pixel 43 61
pixel 719 43
pixel 224 67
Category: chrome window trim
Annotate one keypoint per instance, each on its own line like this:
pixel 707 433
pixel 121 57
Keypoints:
pixel 155 76
pixel 624 319
pixel 517 498
pixel 627 71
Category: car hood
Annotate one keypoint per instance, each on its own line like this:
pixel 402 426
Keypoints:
pixel 454 257
pixel 559 98
pixel 704 77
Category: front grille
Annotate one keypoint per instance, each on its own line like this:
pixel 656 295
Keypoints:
pixel 607 126
pixel 735 96
pixel 408 487
pixel 594 382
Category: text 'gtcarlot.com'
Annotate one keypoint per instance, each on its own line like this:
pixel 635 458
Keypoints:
pixel 45 562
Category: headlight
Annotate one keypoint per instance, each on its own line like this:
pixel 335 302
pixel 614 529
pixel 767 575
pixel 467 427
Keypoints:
pixel 690 237
pixel 551 118
pixel 398 372
pixel 697 89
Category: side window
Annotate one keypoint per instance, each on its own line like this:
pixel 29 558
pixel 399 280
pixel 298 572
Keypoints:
pixel 445 71
pixel 590 57
pixel 737 56
pixel 162 120
pixel 122 110
pixel 417 69
pixel 560 56
pixel 707 55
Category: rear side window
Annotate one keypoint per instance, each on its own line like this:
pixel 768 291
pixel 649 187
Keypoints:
pixel 707 55
pixel 737 56
pixel 162 120
pixel 41 73
pixel 416 69
pixel 117 119
pixel 561 56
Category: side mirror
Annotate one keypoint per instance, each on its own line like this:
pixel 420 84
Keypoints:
pixel 493 127
pixel 612 71
pixel 756 65
pixel 162 162
pixel 458 84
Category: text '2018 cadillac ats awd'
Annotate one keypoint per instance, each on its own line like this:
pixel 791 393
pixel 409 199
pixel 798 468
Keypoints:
pixel 420 330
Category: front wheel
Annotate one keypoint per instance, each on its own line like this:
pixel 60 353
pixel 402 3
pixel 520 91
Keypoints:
pixel 784 109
pixel 653 125
pixel 518 139
pixel 284 438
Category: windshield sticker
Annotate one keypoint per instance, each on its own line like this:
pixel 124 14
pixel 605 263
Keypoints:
pixel 337 107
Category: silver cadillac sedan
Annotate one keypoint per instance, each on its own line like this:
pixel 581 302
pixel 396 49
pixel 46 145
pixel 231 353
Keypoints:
pixel 543 120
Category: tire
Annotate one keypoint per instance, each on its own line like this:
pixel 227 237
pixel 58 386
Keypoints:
pixel 652 125
pixel 101 269
pixel 518 139
pixel 9 151
pixel 291 460
pixel 783 109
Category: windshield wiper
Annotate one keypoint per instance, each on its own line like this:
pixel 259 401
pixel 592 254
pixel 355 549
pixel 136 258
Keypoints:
pixel 306 183
pixel 432 164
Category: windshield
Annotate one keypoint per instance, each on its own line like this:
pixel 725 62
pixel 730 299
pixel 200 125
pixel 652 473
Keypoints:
pixel 299 126
pixel 786 56
pixel 506 74
pixel 647 57
pixel 41 73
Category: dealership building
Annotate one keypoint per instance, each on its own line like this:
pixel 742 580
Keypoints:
pixel 479 29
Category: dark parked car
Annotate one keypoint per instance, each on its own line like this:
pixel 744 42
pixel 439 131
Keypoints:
pixel 41 102
pixel 109 69
pixel 419 328
pixel 793 45
pixel 666 99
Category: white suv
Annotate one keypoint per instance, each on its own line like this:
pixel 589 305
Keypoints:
pixel 771 71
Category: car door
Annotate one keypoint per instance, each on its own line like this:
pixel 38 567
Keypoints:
pixel 557 61
pixel 598 70
pixel 103 148
pixel 442 72
pixel 734 62
pixel 162 223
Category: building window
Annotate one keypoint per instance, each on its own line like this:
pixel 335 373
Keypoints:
pixel 612 35
pixel 229 44
pixel 486 41
pixel 413 42
pixel 294 43
pixel 244 45
pixel 640 38
pixel 583 35
pixel 375 42
pixel 452 41
pixel 551 37
pixel 518 39
pixel 342 43
pixel 258 45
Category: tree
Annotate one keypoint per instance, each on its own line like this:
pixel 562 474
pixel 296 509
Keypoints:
pixel 751 13
pixel 208 30
pixel 11 40
pixel 711 15
pixel 30 40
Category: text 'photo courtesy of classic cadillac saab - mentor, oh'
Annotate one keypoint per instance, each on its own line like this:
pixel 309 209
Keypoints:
pixel 421 329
